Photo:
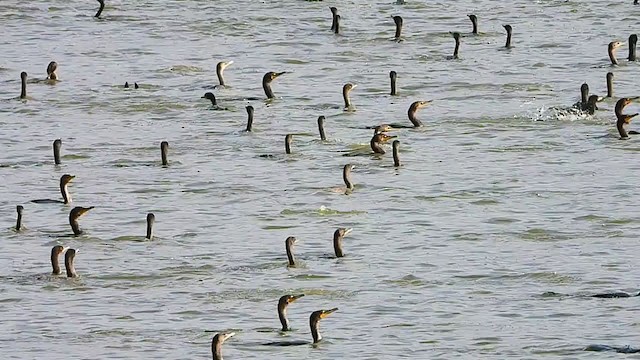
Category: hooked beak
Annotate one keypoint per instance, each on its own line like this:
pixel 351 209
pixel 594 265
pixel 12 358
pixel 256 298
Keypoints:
pixel 347 231
pixel 279 74
pixel 326 313
pixel 296 297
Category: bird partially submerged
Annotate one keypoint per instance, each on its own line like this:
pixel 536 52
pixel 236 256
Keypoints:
pixel 76 213
pixel 611 50
pixel 266 82
pixel 64 190
pixel 216 344
pixel 283 303
pixel 220 72
pixel 624 119
pixel 346 90
pixel 338 235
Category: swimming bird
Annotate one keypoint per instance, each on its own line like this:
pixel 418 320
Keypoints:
pixel 249 118
pixel 164 151
pixel 413 110
pixel 97 15
pixel 456 37
pixel 51 71
pixel 69 256
pixel 55 256
pixel 314 324
pixel 609 84
pixel 266 82
pixel 474 21
pixel 346 89
pixel 216 344
pixel 398 21
pixel 393 76
pixel 334 12
pixel 23 85
pixel 614 295
pixel 338 235
pixel 633 40
pixel 57 144
pixel 591 104
pixel 283 303
pixel 75 213
pixel 321 119
pixel 377 140
pixel 287 143
pixel 584 97
pixel 214 102
pixel 289 243
pixel 346 176
pixel 613 46
pixel 220 72
pixel 64 190
pixel 623 119
pixel 19 209
pixel 509 30
pixel 151 219
pixel 336 20
pixel 396 157
pixel 619 349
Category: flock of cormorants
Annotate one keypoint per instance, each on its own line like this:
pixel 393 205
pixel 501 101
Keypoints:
pixel 587 104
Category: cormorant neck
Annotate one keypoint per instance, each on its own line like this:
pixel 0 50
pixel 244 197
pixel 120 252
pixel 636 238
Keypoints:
pixel 314 324
pixel 57 144
pixel 290 256
pixel 336 19
pixel 220 76
pixel 216 348
pixel 68 264
pixel 337 244
pixel 474 21
pixel 75 226
pixel 375 146
pixel 612 55
pixel 346 176
pixel 150 220
pixel 54 262
pixel 334 12
pixel 398 29
pixel 508 44
pixel 23 87
pixel 282 314
pixel 97 15
pixel 609 84
pixel 19 219
pixel 249 118
pixel 457 49
pixel 413 109
pixel 266 85
pixel 323 137
pixel 620 125
pixel 64 189
pixel 633 40
pixel 393 76
pixel 396 157
pixel 345 97
pixel 164 150
pixel 287 143
pixel 584 94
